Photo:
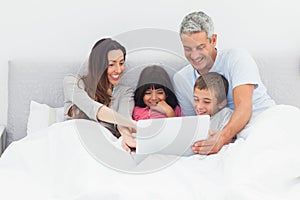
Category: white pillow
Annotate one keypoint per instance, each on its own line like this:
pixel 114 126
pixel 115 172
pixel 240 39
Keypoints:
pixel 41 116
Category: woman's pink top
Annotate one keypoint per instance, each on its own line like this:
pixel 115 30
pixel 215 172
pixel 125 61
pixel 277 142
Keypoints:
pixel 147 113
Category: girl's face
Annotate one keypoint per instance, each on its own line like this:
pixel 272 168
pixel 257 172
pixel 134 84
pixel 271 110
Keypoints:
pixel 115 66
pixel 152 96
pixel 205 102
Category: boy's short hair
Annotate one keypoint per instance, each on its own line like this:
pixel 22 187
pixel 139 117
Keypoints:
pixel 215 82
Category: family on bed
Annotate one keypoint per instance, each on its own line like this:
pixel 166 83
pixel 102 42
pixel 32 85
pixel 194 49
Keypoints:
pixel 224 84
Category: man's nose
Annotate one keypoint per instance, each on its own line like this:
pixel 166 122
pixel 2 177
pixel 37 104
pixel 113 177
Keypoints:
pixel 194 54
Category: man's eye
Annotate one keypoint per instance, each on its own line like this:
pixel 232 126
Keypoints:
pixel 201 47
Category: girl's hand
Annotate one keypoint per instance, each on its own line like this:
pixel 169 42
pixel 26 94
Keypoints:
pixel 164 108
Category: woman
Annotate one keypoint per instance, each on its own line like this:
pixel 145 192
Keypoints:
pixel 97 95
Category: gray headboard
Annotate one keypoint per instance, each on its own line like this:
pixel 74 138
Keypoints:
pixel 42 81
pixel 33 80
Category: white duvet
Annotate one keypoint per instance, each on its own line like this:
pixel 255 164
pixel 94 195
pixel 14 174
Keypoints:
pixel 55 164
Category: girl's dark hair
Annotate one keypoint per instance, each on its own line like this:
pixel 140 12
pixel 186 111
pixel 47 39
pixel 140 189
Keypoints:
pixel 140 92
pixel 96 81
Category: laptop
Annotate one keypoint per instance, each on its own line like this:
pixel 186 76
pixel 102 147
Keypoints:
pixel 173 136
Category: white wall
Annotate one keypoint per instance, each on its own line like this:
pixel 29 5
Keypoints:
pixel 38 29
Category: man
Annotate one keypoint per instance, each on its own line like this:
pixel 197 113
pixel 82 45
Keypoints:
pixel 247 95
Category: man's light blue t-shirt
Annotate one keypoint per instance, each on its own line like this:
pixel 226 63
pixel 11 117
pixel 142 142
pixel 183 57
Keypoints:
pixel 238 67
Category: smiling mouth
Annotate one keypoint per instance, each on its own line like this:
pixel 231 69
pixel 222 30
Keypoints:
pixel 115 77
pixel 201 113
pixel 153 103
pixel 198 60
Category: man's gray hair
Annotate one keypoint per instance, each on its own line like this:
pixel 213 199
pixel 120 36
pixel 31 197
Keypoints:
pixel 197 22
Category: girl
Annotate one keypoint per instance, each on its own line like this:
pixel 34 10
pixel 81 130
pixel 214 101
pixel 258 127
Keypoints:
pixel 154 97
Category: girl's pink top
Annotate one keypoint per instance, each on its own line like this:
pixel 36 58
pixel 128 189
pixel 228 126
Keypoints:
pixel 146 113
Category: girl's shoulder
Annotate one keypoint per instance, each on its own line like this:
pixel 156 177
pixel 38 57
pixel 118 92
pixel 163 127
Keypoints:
pixel 178 111
pixel 140 113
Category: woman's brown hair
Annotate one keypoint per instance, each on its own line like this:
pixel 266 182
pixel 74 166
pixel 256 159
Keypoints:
pixel 96 81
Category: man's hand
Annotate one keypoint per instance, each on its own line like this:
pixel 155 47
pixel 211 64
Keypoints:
pixel 212 145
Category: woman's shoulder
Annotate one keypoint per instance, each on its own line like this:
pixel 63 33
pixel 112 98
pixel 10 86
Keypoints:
pixel 123 89
pixel 73 79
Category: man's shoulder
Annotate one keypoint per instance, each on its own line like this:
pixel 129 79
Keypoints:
pixel 186 71
pixel 233 52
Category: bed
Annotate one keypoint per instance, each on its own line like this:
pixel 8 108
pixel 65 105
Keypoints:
pixel 48 158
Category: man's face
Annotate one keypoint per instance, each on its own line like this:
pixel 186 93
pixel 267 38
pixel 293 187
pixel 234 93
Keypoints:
pixel 199 50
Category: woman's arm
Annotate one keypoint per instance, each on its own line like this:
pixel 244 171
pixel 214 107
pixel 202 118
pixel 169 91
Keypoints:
pixel 76 95
pixel 108 115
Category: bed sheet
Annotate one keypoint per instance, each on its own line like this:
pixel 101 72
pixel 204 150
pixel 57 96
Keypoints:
pixel 55 164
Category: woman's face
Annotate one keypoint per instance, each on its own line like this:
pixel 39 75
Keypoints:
pixel 115 66
pixel 152 96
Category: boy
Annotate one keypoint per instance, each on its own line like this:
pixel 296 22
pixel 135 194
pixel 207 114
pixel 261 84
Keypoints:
pixel 210 91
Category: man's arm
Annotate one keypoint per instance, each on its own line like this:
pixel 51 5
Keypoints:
pixel 242 97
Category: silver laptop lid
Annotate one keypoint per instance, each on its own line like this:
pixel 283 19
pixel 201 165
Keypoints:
pixel 173 136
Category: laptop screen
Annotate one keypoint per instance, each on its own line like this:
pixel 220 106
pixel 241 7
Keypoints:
pixel 173 136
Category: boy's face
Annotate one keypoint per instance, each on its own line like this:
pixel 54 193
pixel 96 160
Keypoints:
pixel 205 102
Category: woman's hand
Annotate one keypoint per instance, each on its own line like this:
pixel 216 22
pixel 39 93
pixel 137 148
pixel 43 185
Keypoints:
pixel 128 141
